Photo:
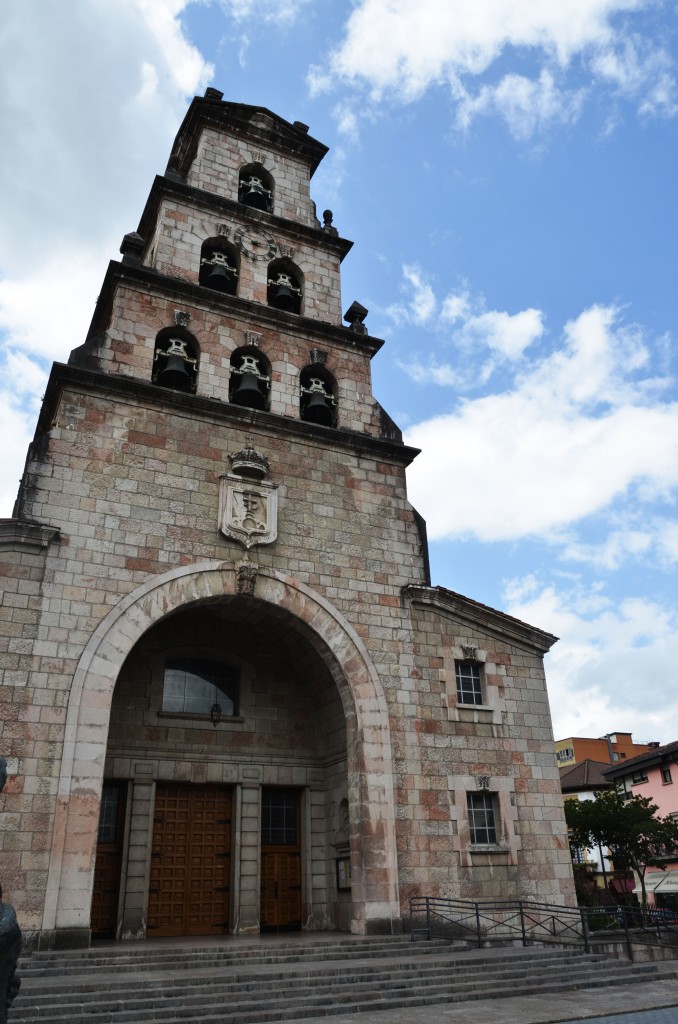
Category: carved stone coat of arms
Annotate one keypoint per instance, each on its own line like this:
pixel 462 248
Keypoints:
pixel 248 510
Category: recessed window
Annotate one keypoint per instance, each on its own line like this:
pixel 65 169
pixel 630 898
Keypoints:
pixel 279 817
pixel 285 286
pixel 666 775
pixel 255 187
pixel 639 776
pixel 175 360
pixel 469 683
pixel 195 685
pixel 566 754
pixel 317 396
pixel 482 819
pixel 219 266
pixel 250 381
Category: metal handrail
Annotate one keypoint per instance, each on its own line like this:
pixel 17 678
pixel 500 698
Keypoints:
pixel 498 920
pixel 486 921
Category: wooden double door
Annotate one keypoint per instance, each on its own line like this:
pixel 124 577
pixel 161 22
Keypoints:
pixel 190 876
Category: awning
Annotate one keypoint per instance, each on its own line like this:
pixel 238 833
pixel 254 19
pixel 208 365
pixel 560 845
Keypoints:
pixel 660 881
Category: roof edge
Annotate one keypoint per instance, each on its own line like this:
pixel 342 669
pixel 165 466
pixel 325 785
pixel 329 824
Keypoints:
pixel 521 633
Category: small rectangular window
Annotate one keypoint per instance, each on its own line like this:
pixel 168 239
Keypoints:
pixel 639 776
pixel 482 819
pixel 469 685
pixel 666 776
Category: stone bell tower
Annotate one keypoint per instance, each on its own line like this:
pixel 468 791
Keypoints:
pixel 238 703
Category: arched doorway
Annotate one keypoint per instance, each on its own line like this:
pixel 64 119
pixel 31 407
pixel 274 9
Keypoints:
pixel 312 722
pixel 227 727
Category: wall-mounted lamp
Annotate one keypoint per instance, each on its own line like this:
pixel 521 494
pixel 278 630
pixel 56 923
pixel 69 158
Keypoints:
pixel 215 714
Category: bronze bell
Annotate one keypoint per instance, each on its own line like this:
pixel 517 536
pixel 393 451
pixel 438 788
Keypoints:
pixel 253 193
pixel 222 278
pixel 175 375
pixel 282 294
pixel 248 392
pixel 318 410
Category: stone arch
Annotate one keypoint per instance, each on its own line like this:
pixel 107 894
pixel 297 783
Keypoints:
pixel 370 765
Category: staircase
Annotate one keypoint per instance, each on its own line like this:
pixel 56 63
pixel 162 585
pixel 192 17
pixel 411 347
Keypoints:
pixel 239 981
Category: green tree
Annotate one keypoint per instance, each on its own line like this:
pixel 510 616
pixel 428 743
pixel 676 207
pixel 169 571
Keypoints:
pixel 633 833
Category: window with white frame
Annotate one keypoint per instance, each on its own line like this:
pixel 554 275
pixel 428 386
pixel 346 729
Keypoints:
pixel 566 754
pixel 666 775
pixel 469 682
pixel 639 776
pixel 482 819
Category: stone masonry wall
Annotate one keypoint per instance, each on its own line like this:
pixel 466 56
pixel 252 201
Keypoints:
pixel 442 751
pixel 218 162
pixel 180 232
pixel 138 317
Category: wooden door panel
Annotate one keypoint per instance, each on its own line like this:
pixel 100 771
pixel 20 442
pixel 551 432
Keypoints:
pixel 190 862
pixel 280 896
pixel 108 864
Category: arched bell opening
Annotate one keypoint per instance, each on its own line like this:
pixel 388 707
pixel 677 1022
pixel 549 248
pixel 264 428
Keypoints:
pixel 176 360
pixel 255 187
pixel 250 381
pixel 255 799
pixel 219 266
pixel 285 286
pixel 317 396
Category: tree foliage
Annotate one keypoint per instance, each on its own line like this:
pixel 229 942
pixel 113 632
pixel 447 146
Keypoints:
pixel 631 830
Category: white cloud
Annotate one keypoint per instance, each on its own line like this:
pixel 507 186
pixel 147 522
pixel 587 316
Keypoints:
pixel 400 49
pixel 528 107
pixel 81 144
pixel 614 667
pixel 67 284
pixel 422 303
pixel 637 69
pixel 277 11
pixel 506 334
pixel 488 338
pixel 578 431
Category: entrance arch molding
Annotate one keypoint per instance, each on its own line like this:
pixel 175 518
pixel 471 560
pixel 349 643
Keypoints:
pixel 370 765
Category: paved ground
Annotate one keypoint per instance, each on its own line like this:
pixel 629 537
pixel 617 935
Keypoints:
pixel 633 1004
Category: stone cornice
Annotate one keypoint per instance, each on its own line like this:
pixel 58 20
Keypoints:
pixel 220 207
pixel 498 623
pixel 25 535
pixel 121 387
pixel 259 124
pixel 184 292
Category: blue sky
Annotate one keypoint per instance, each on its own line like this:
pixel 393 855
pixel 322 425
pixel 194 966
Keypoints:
pixel 506 169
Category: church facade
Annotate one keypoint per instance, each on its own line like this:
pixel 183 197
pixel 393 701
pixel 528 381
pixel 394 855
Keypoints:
pixel 231 699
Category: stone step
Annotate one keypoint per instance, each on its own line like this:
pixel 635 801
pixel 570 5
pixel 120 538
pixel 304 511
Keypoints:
pixel 267 992
pixel 298 1006
pixel 406 957
pixel 42 965
pixel 334 979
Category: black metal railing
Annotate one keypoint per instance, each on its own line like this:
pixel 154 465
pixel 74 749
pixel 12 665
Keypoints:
pixel 486 922
pixel 653 926
pixel 490 921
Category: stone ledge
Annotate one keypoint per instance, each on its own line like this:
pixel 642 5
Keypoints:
pixel 24 535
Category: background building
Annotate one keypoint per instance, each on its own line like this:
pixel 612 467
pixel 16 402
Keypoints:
pixel 654 774
pixel 597 878
pixel 232 700
pixel 613 747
